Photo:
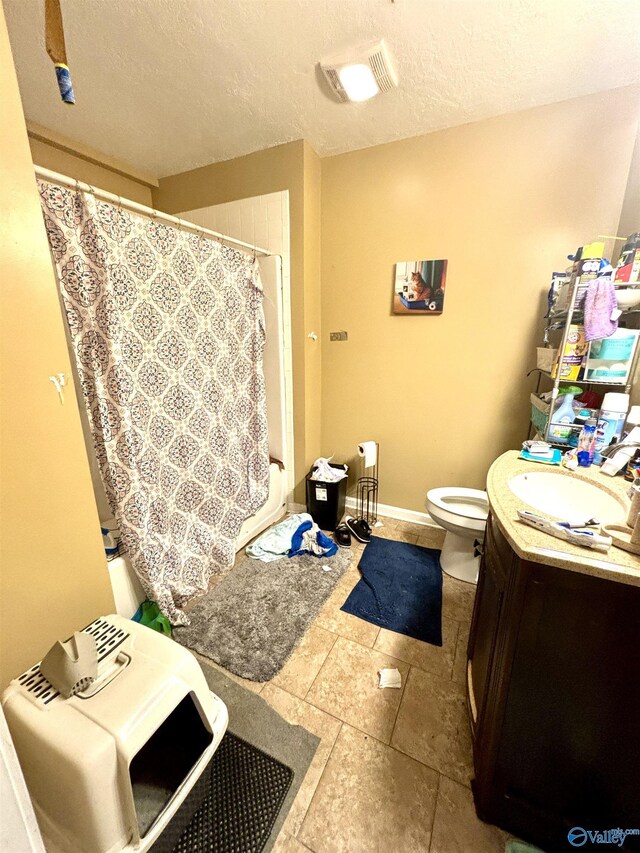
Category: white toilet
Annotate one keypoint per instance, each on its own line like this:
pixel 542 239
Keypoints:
pixel 463 514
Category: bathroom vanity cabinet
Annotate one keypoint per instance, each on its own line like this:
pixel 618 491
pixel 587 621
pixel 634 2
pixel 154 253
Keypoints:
pixel 553 686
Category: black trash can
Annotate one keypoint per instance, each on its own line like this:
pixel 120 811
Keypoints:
pixel 325 501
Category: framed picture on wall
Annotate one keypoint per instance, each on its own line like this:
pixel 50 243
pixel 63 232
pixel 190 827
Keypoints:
pixel 419 287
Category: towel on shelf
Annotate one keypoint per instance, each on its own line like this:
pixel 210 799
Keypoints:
pixel 599 304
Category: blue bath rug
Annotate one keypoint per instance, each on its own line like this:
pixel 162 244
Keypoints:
pixel 400 589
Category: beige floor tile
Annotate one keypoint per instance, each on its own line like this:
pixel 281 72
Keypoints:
pixel 457 829
pixel 420 529
pixel 431 537
pixel 396 535
pixel 436 659
pixel 352 568
pixel 331 618
pixel 432 725
pixel 459 673
pixel 298 673
pixel 387 521
pixel 254 686
pixel 286 843
pixel 371 799
pixel 300 713
pixel 457 599
pixel 347 688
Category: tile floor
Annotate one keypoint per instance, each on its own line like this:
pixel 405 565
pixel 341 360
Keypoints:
pixel 392 771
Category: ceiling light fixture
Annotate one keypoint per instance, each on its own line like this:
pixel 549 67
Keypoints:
pixel 361 73
pixel 358 82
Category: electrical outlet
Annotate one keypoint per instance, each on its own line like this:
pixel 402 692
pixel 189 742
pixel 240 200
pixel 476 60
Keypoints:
pixel 338 336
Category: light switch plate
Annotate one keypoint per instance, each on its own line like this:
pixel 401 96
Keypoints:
pixel 338 336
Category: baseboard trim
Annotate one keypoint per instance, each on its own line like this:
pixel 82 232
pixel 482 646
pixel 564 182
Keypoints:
pixel 399 513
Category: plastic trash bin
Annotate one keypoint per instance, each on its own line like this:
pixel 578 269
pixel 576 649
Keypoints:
pixel 325 501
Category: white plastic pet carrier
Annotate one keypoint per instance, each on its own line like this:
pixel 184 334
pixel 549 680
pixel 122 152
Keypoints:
pixel 108 767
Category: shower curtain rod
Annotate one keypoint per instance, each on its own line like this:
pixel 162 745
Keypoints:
pixel 72 183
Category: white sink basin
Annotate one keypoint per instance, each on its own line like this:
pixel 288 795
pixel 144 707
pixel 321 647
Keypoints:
pixel 565 497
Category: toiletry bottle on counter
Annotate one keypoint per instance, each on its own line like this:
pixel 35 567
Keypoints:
pixel 610 421
pixel 633 420
pixel 581 418
pixel 632 467
pixel 563 417
pixel 586 443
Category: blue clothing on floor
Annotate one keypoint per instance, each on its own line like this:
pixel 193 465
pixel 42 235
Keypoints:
pixel 297 534
pixel 307 540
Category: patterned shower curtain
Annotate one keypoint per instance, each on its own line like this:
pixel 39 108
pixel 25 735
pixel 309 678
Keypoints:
pixel 168 333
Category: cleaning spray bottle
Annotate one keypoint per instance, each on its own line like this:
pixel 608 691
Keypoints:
pixel 610 422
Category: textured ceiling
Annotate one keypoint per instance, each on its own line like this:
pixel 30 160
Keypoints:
pixel 168 85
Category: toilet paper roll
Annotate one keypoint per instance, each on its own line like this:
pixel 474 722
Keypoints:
pixel 369 451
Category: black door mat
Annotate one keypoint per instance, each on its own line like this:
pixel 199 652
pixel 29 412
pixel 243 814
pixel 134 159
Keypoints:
pixel 239 796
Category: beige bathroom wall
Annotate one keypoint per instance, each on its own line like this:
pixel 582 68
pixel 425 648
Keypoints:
pixel 504 201
pixel 293 167
pixel 51 157
pixel 630 213
pixel 312 304
pixel 53 573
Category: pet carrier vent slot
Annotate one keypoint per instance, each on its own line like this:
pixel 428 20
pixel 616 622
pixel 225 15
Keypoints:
pixel 35 682
pixel 107 637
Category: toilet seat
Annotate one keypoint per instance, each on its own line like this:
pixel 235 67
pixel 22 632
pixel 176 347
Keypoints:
pixel 463 513
pixel 459 507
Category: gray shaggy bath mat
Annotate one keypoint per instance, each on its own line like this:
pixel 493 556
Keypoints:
pixel 254 618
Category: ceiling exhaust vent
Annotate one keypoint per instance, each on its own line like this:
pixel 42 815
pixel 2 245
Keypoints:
pixel 361 73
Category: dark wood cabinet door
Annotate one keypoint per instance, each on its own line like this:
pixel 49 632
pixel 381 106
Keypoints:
pixel 484 629
pixel 569 751
pixel 555 681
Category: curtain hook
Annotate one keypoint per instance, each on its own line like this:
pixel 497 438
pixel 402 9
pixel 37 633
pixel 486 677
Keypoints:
pixel 77 186
pixel 119 202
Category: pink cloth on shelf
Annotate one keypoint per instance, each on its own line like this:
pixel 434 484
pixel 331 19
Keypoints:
pixel 600 300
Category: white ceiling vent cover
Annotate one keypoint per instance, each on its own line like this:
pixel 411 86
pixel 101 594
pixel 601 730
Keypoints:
pixel 374 56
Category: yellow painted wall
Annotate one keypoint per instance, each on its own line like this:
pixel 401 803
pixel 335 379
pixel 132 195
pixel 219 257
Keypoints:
pixel 504 201
pixel 73 166
pixel 312 305
pixel 293 167
pixel 54 577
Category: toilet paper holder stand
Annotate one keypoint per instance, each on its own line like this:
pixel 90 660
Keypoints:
pixel 367 490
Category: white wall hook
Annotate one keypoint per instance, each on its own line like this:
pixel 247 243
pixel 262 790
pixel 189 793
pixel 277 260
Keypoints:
pixel 60 381
pixel 312 336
